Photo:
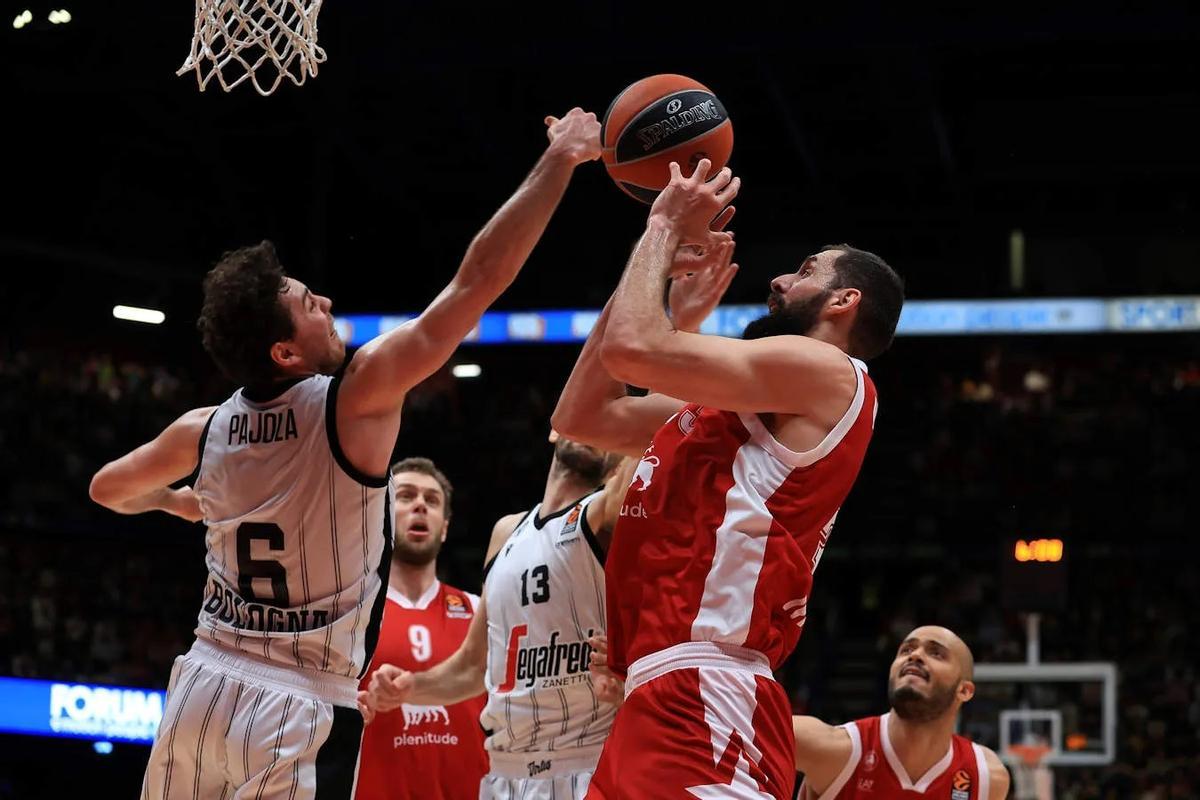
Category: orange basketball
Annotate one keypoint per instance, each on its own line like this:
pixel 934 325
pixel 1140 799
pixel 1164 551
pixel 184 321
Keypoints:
pixel 658 120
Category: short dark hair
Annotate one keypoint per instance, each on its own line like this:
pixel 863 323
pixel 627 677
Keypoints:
pixel 882 298
pixel 424 466
pixel 243 315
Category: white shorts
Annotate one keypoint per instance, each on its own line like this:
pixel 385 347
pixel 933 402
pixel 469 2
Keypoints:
pixel 234 727
pixel 557 775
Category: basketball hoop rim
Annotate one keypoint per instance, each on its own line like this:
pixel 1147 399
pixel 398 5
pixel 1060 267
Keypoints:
pixel 1031 755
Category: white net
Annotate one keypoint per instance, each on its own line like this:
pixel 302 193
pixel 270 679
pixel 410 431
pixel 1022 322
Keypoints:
pixel 263 40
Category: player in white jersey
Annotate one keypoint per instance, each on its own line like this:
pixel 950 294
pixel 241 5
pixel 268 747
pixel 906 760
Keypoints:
pixel 543 604
pixel 542 599
pixel 291 476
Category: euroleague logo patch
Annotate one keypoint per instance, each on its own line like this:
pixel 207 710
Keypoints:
pixel 456 608
pixel 962 786
pixel 570 528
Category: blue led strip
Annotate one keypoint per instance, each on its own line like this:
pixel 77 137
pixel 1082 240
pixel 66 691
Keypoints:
pixel 919 318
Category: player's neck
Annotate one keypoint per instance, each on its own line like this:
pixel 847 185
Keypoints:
pixel 920 745
pixel 562 487
pixel 828 332
pixel 412 581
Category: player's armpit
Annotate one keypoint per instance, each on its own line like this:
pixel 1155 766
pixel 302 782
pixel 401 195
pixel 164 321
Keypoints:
pixel 821 751
pixel 998 777
pixel 139 481
pixel 777 374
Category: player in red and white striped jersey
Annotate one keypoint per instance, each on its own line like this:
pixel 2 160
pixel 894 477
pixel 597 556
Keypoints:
pixel 732 504
pixel 422 751
pixel 543 600
pixel 873 758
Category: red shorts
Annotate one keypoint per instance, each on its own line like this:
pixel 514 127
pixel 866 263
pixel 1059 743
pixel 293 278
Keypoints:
pixel 705 732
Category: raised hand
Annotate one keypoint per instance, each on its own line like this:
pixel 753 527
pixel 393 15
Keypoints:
pixel 695 207
pixel 700 277
pixel 576 136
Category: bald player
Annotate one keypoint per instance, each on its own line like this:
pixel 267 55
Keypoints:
pixel 911 751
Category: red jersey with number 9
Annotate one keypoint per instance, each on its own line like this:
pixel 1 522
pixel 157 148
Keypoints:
pixel 721 529
pixel 418 752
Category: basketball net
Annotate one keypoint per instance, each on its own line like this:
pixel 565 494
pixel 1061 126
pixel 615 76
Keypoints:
pixel 263 40
pixel 1032 780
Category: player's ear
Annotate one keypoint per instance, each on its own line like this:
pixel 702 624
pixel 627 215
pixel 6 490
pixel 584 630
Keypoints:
pixel 285 354
pixel 844 300
pixel 966 690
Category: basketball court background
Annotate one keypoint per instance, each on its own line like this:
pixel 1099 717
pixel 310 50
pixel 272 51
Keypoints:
pixel 989 157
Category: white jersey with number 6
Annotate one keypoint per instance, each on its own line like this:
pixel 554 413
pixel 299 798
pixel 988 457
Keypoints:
pixel 299 541
pixel 544 594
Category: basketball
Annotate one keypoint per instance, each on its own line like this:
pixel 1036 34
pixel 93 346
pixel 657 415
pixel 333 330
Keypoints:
pixel 658 120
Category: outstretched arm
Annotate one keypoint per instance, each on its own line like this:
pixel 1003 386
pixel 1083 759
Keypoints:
pixel 385 368
pixel 459 677
pixel 778 374
pixel 141 480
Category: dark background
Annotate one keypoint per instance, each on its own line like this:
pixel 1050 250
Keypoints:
pixel 928 137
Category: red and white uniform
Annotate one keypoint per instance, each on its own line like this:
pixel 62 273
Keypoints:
pixel 874 772
pixel 419 752
pixel 709 571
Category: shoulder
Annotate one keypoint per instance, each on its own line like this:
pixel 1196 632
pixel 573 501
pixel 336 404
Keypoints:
pixel 503 529
pixel 812 731
pixel 187 430
pixel 997 777
pixel 196 419
pixel 824 753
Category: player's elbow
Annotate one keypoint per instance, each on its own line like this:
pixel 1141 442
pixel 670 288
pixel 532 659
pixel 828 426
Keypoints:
pixel 626 360
pixel 567 420
pixel 100 490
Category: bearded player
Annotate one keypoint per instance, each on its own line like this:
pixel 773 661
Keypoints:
pixel 543 600
pixel 911 751
pixel 712 561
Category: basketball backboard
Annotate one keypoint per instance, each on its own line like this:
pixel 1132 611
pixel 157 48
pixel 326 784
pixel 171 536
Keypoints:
pixel 1072 706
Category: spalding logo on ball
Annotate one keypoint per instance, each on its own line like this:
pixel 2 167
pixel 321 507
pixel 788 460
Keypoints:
pixel 658 120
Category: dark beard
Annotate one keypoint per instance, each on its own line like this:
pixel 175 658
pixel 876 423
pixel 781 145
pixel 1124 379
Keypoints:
pixel 911 705
pixel 590 468
pixel 406 553
pixel 795 320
